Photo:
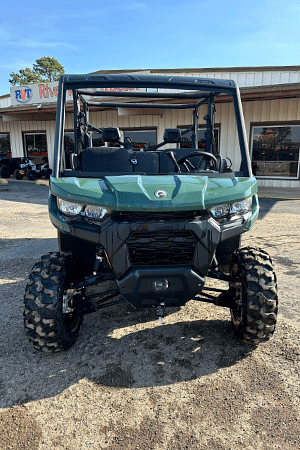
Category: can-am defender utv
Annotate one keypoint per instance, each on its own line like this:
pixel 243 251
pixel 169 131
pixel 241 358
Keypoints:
pixel 156 222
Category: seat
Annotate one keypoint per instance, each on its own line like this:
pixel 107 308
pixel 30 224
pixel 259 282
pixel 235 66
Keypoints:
pixel 118 160
pixel 105 159
pixel 147 162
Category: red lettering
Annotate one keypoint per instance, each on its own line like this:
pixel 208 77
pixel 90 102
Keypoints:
pixel 55 90
pixel 49 90
pixel 43 91
pixel 70 91
pixel 113 89
pixel 23 94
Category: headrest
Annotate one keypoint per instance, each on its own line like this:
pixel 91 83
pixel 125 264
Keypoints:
pixel 172 135
pixel 111 134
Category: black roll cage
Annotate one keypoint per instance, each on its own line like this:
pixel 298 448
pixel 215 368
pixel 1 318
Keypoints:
pixel 207 90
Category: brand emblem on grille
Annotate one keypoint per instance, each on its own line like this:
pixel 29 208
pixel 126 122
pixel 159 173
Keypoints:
pixel 160 194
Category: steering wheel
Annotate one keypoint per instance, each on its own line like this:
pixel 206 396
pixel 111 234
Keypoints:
pixel 184 160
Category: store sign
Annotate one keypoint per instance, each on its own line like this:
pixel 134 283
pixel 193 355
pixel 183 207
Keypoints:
pixel 48 92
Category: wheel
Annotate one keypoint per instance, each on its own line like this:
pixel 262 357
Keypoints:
pixel 31 175
pixel 51 323
pixel 18 175
pixel 5 171
pixel 254 317
pixel 47 173
pixel 184 160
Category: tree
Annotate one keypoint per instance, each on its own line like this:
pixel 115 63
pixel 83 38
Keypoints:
pixel 275 136
pixel 44 70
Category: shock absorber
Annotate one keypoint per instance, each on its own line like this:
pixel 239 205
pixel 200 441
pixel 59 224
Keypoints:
pixel 160 312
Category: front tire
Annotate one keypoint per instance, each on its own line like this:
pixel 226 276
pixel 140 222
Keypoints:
pixel 49 326
pixel 18 175
pixel 47 173
pixel 254 317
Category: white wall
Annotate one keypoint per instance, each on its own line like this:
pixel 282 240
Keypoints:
pixel 283 110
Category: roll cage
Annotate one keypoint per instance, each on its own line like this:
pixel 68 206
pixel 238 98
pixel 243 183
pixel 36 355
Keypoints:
pixel 170 93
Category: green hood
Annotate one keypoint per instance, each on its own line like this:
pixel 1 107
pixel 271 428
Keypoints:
pixel 137 192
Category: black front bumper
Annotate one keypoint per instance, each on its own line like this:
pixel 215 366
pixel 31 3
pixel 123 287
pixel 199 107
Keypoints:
pixel 150 286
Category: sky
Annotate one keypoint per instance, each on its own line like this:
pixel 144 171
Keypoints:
pixel 148 34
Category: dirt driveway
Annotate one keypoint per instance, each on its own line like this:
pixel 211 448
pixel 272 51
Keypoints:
pixel 131 384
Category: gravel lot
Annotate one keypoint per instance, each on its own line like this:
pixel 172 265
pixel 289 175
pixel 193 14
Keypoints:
pixel 129 383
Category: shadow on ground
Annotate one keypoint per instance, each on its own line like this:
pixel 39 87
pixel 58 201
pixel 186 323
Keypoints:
pixel 24 191
pixel 120 348
pixel 26 248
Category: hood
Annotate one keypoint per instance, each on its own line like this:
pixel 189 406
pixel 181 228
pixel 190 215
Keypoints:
pixel 157 193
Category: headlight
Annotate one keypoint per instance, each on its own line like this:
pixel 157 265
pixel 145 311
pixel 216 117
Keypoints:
pixel 70 208
pixel 96 212
pixel 227 209
pixel 220 210
pixel 241 207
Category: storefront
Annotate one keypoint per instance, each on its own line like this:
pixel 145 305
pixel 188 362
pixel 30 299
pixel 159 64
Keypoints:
pixel 271 103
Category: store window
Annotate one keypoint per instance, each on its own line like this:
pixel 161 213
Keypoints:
pixel 275 150
pixel 69 141
pixel 35 145
pixel 5 144
pixel 141 138
pixel 186 140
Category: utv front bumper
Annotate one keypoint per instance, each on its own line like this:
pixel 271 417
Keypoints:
pixel 150 286
pixel 155 257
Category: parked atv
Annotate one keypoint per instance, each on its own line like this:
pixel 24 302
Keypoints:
pixel 31 170
pixel 155 222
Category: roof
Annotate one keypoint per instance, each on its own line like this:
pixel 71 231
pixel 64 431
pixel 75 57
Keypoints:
pixel 256 83
pixel 207 69
pixel 149 81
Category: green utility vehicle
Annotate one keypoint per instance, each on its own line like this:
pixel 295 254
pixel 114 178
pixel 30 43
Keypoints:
pixel 148 226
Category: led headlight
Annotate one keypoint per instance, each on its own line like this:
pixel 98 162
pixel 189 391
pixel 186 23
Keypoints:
pixel 227 209
pixel 219 211
pixel 70 208
pixel 241 207
pixel 96 212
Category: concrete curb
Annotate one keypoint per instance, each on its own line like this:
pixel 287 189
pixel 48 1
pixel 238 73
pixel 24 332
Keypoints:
pixel 280 193
pixel 42 182
pixel 3 184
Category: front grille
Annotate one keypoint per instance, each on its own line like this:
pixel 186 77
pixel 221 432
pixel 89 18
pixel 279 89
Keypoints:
pixel 161 248
pixel 155 215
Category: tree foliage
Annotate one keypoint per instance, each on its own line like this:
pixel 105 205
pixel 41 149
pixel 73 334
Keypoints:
pixel 275 136
pixel 44 70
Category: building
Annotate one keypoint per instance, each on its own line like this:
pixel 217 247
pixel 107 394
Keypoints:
pixel 271 104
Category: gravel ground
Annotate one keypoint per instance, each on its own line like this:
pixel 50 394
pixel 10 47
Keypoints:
pixel 129 383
